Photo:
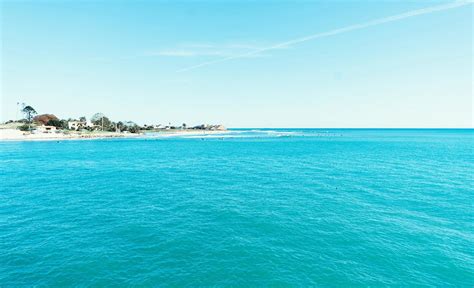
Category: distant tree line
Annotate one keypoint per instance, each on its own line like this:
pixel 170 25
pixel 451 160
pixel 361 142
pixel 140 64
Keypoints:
pixel 99 122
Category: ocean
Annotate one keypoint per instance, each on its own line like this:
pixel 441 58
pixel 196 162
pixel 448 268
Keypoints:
pixel 254 207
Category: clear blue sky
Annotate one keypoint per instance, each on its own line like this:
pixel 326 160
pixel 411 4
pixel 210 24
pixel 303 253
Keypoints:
pixel 122 58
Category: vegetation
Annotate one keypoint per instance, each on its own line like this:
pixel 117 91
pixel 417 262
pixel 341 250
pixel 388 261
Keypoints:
pixel 99 122
pixel 59 124
pixel 24 127
pixel 29 112
pixel 44 118
pixel 134 129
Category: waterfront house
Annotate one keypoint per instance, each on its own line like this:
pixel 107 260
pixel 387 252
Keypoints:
pixel 45 129
pixel 78 125
pixel 75 125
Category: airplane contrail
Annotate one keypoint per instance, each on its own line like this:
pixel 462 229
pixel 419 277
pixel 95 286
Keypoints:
pixel 335 32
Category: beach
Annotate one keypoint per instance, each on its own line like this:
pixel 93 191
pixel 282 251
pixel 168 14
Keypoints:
pixel 17 135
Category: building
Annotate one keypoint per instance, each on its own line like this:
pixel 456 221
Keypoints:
pixel 78 125
pixel 45 129
pixel 75 125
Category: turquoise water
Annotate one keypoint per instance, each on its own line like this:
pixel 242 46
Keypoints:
pixel 257 207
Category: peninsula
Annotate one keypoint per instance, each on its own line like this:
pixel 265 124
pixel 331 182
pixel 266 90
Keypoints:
pixel 36 126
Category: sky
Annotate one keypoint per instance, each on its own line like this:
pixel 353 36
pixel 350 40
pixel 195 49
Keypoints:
pixel 241 63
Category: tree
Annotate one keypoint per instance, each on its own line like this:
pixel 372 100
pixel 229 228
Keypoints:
pixel 44 118
pixel 131 127
pixel 112 127
pixel 82 119
pixel 101 120
pixel 134 129
pixel 120 126
pixel 29 112
pixel 96 118
pixel 57 123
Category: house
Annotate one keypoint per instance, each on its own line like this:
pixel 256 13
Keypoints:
pixel 78 125
pixel 218 128
pixel 46 129
pixel 75 125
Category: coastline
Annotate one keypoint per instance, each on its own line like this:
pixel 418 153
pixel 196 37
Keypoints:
pixel 14 135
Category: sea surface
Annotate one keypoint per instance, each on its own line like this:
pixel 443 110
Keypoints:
pixel 251 208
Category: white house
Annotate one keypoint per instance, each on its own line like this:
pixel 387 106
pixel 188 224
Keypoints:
pixel 77 125
pixel 46 129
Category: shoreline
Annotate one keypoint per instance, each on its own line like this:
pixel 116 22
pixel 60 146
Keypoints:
pixel 13 135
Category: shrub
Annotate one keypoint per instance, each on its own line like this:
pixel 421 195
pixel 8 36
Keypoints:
pixel 55 122
pixel 134 129
pixel 24 127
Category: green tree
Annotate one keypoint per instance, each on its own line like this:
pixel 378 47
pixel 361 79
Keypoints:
pixel 101 120
pixel 29 112
pixel 55 122
pixel 134 129
pixel 111 127
pixel 97 118
pixel 60 124
pixel 82 119
pixel 131 127
pixel 120 126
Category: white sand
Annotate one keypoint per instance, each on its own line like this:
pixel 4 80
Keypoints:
pixel 17 135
